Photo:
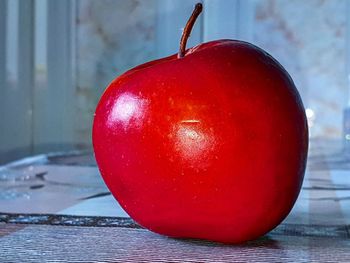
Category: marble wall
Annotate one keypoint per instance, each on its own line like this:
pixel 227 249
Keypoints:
pixel 111 37
pixel 307 37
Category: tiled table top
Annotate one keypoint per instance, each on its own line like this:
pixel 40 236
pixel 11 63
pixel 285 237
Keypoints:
pixel 48 197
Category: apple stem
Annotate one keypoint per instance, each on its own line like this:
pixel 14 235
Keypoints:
pixel 188 28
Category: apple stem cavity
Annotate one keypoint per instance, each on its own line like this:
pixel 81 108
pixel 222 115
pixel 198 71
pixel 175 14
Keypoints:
pixel 188 28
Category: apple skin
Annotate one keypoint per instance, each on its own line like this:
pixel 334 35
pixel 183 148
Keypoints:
pixel 210 146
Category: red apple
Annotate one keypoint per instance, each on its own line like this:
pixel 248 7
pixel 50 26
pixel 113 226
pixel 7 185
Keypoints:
pixel 210 143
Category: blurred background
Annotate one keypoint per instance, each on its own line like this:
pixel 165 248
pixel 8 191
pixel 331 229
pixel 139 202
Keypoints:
pixel 57 57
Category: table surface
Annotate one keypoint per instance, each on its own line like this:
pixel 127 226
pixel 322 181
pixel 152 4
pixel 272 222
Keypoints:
pixel 56 208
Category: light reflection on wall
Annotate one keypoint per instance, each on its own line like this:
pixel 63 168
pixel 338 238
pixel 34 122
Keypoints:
pixel 310 115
